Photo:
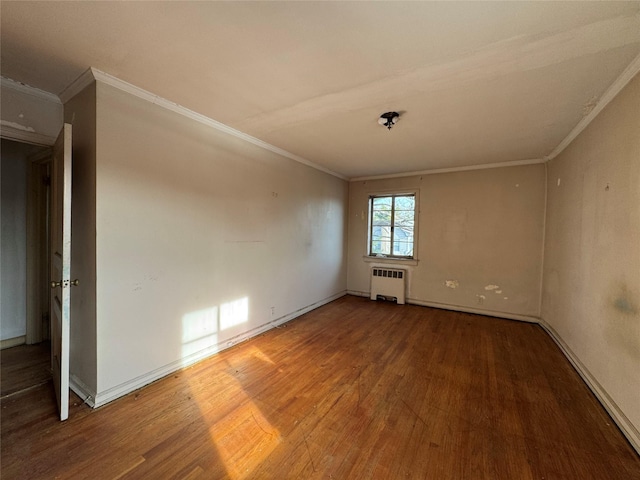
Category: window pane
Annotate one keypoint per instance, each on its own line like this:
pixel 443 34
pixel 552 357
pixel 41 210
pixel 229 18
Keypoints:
pixel 405 203
pixel 380 247
pixel 381 233
pixel 403 234
pixel 404 249
pixel 403 219
pixel 382 203
pixel 381 217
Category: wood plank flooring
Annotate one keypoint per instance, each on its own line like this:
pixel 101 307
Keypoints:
pixel 353 390
pixel 24 366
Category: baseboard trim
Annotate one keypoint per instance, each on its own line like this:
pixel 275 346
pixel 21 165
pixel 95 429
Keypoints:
pixel 13 342
pixel 86 394
pixel 458 308
pixel 622 421
pixel 111 394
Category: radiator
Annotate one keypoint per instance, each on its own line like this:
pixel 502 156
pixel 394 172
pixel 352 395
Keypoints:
pixel 389 283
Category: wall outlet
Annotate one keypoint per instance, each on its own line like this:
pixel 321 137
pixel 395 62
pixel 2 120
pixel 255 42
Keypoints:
pixel 273 311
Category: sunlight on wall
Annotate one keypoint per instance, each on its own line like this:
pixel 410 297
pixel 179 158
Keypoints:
pixel 199 330
pixel 234 313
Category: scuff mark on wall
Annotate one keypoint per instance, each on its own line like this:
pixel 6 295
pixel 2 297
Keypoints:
pixel 452 283
pixel 492 287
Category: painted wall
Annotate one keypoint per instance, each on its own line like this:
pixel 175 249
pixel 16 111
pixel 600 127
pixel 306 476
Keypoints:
pixel 13 250
pixel 478 230
pixel 591 294
pixel 80 112
pixel 202 238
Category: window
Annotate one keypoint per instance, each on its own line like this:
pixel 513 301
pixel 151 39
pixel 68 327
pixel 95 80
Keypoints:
pixel 391 225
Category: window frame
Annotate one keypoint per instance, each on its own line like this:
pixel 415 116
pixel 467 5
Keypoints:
pixel 416 211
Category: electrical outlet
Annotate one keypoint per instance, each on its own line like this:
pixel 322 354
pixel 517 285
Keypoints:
pixel 273 311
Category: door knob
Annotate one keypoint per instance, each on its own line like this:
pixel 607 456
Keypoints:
pixel 55 284
pixel 75 283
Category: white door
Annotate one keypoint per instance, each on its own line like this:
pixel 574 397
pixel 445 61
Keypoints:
pixel 61 266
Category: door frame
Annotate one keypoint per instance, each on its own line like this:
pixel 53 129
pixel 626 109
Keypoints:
pixel 35 331
pixel 38 255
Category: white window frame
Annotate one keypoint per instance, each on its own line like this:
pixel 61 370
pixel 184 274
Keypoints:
pixel 391 258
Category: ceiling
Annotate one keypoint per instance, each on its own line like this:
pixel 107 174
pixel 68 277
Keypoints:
pixel 476 82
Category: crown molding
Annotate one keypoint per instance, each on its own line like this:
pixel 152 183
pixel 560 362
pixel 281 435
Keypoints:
pixel 93 74
pixel 625 77
pixel 10 131
pixel 434 171
pixel 83 81
pixel 29 90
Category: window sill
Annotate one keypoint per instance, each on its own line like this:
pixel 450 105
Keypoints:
pixel 397 261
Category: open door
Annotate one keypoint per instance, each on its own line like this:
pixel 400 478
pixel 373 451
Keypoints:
pixel 61 266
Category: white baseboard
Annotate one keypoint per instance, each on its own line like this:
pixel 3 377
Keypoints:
pixel 628 429
pixel 86 394
pixel 102 398
pixel 457 308
pixel 12 342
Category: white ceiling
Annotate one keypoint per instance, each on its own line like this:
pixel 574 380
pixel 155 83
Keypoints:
pixel 476 82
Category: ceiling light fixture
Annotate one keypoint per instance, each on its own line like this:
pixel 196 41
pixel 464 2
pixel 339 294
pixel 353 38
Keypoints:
pixel 389 119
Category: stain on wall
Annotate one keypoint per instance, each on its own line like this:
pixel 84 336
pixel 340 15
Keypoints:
pixel 624 303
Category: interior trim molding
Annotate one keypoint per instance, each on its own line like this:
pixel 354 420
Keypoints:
pixel 86 394
pixel 622 421
pixel 625 77
pixel 83 81
pixel 434 171
pixel 29 90
pixel 457 308
pixel 93 74
pixel 9 133
pixel 12 342
pixel 476 311
pixel 125 388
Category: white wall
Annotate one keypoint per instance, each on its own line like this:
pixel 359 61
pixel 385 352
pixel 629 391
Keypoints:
pixel 13 257
pixel 477 229
pixel 202 238
pixel 591 295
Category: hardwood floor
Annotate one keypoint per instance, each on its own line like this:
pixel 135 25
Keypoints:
pixel 353 390
pixel 23 367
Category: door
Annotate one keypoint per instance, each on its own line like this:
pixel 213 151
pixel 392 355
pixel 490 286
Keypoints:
pixel 61 266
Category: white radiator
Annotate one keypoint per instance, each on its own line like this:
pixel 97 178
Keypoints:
pixel 389 283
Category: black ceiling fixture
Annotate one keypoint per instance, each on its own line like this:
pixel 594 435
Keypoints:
pixel 389 119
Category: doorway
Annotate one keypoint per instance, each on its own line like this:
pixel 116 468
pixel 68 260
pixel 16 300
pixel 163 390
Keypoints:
pixel 25 357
